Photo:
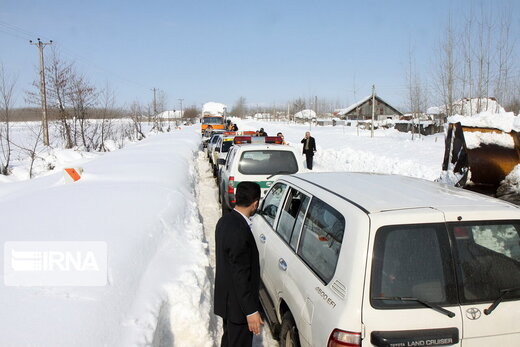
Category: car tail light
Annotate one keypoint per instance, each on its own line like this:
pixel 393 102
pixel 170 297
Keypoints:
pixel 273 139
pixel 344 338
pixel 231 189
pixel 242 139
pixel 231 185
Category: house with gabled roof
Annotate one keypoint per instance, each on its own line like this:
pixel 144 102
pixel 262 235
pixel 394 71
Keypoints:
pixel 362 110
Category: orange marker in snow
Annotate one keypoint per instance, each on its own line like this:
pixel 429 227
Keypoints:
pixel 72 175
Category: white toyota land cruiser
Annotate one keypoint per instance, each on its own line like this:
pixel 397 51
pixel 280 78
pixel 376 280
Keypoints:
pixel 352 259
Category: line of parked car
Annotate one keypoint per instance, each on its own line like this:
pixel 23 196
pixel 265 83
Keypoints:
pixel 359 259
pixel 241 156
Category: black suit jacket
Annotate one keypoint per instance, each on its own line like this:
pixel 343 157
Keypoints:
pixel 312 146
pixel 237 277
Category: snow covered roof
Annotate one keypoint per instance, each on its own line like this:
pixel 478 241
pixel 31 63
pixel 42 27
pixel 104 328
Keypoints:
pixel 213 108
pixel 469 107
pixel 170 114
pixel 381 192
pixel 344 111
pixel 305 114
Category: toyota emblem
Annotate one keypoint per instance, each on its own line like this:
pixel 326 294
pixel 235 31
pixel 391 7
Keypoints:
pixel 473 313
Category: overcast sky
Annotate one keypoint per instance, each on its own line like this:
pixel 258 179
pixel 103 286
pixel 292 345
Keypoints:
pixel 267 51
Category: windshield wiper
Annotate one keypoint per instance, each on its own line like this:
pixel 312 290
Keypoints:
pixel 433 306
pixel 279 173
pixel 498 300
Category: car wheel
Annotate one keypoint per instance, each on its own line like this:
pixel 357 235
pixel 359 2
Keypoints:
pixel 220 195
pixel 289 332
pixel 214 171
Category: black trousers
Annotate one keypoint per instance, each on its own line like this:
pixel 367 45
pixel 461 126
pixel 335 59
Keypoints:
pixel 236 335
pixel 308 156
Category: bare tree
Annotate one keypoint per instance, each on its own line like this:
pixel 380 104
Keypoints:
pixel 417 92
pixel 299 105
pixel 239 108
pixel 107 101
pixel 191 113
pixel 31 147
pixel 59 77
pixel 136 114
pixel 487 62
pixel 83 97
pixel 446 70
pixel 503 88
pixel 7 87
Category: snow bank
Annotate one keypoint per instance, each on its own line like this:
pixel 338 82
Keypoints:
pixel 505 121
pixel 140 201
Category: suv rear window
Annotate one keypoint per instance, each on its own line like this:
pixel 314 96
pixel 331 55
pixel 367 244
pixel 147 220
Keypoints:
pixel 266 162
pixel 412 261
pixel 226 145
pixel 417 261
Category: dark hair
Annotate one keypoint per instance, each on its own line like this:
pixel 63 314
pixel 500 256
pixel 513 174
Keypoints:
pixel 247 193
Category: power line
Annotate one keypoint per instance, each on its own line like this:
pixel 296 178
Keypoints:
pixel 21 33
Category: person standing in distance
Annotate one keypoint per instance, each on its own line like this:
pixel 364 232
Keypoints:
pixel 309 148
pixel 237 277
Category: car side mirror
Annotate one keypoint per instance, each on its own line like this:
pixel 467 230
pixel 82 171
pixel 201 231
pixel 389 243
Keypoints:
pixel 222 161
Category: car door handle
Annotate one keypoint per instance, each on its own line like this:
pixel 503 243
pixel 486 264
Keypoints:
pixel 282 264
pixel 262 238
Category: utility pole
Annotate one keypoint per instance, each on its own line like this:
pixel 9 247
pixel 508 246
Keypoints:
pixel 154 90
pixel 181 100
pixel 373 110
pixel 43 93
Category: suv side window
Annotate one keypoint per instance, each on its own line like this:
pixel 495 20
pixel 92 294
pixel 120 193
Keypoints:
pixel 230 157
pixel 272 201
pixel 321 238
pixel 291 217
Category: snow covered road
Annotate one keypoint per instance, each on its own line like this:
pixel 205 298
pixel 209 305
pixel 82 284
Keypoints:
pixel 155 204
pixel 210 211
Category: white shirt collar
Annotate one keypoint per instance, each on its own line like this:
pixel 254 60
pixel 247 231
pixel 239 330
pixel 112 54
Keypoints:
pixel 247 219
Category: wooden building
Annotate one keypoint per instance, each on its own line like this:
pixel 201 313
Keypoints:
pixel 362 110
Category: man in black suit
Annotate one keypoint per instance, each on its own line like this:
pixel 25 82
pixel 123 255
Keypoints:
pixel 237 278
pixel 309 147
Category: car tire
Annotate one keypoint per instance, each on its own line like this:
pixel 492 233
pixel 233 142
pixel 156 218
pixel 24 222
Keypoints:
pixel 214 171
pixel 289 332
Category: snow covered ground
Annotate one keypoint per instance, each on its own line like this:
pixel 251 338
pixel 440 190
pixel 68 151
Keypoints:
pixel 155 205
pixel 139 200
pixel 342 149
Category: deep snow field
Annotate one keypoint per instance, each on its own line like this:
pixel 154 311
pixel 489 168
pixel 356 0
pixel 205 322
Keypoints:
pixel 154 203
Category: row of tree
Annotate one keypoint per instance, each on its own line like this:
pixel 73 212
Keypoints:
pixel 475 59
pixel 82 115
